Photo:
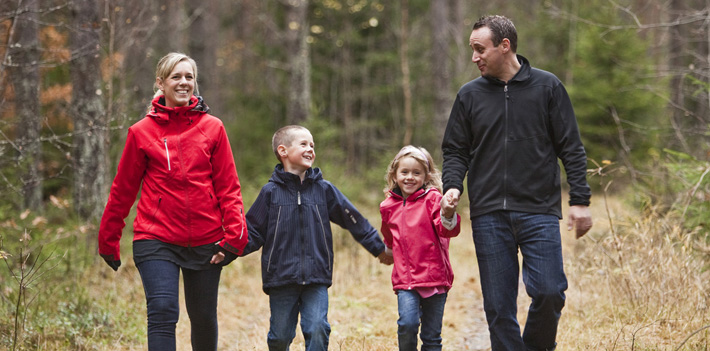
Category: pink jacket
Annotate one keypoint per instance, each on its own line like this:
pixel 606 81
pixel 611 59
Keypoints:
pixel 420 244
pixel 181 161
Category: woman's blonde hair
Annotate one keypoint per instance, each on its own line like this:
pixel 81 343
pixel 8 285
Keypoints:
pixel 166 65
pixel 433 175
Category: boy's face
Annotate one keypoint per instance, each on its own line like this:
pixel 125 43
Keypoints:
pixel 300 155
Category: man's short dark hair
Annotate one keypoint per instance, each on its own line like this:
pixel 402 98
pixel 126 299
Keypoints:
pixel 501 27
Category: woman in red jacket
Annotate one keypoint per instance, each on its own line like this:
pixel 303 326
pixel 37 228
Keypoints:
pixel 417 230
pixel 190 215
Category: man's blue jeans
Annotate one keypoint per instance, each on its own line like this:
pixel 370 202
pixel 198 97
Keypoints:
pixel 497 237
pixel 161 284
pixel 412 309
pixel 311 301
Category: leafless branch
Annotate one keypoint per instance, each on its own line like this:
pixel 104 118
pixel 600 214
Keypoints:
pixel 689 18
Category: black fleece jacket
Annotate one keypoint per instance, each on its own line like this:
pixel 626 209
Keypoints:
pixel 508 137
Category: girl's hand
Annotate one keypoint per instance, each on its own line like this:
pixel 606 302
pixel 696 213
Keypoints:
pixel 217 258
pixel 449 202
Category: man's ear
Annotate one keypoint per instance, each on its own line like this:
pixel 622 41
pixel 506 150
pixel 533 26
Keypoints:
pixel 505 45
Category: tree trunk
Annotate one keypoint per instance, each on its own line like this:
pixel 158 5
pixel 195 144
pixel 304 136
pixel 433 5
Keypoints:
pixel 170 33
pixel 299 92
pixel 404 66
pixel 205 24
pixel 676 50
pixel 440 66
pixel 462 62
pixel 23 59
pixel 348 101
pixel 90 149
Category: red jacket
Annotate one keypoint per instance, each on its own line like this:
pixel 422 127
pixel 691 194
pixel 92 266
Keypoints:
pixel 420 244
pixel 181 160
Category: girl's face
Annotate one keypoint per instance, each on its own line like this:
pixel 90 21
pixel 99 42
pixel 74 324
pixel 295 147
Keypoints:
pixel 410 175
pixel 179 85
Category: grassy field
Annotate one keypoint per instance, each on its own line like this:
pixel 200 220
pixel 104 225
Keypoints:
pixel 637 281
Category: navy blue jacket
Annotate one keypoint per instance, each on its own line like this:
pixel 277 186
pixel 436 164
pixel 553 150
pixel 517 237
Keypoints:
pixel 508 137
pixel 291 220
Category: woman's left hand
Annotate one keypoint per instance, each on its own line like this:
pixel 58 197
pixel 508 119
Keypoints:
pixel 217 258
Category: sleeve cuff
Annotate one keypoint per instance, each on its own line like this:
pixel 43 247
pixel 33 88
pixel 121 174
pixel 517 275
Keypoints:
pixel 449 223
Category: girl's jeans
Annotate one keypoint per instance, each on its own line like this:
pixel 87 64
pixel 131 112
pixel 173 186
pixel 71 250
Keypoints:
pixel 498 236
pixel 413 309
pixel 161 284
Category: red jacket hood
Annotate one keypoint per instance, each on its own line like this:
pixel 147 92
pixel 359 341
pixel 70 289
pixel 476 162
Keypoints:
pixel 162 114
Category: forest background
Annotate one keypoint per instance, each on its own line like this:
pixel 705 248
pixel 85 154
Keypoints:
pixel 367 77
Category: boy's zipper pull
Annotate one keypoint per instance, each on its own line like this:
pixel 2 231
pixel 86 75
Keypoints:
pixel 167 153
pixel 299 198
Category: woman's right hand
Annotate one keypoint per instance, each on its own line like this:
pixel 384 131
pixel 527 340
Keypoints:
pixel 114 264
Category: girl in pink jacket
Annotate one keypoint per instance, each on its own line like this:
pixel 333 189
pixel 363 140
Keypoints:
pixel 417 230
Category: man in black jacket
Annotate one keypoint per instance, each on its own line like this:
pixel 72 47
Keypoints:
pixel 507 130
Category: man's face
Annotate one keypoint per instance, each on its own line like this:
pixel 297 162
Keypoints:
pixel 487 57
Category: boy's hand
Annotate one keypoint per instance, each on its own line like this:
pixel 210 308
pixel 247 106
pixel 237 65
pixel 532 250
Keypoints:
pixel 386 258
pixel 449 202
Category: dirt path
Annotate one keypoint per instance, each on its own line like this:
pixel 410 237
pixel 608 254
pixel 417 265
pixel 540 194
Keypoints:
pixel 465 305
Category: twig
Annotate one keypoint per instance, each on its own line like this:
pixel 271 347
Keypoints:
pixel 690 336
pixel 695 189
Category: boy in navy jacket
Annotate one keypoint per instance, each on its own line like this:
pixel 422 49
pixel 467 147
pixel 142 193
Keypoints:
pixel 291 220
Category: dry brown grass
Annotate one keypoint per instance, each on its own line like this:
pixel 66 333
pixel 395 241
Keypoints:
pixel 634 284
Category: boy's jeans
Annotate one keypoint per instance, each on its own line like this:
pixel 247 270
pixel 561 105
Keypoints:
pixel 412 309
pixel 311 301
pixel 161 284
pixel 497 237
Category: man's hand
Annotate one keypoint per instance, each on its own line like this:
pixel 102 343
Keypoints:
pixel 449 202
pixel 580 218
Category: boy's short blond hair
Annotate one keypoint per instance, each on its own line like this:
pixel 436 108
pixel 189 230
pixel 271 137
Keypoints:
pixel 284 136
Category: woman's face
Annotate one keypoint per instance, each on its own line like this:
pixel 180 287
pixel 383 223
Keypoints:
pixel 178 85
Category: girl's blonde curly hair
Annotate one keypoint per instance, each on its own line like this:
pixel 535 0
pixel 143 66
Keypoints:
pixel 433 175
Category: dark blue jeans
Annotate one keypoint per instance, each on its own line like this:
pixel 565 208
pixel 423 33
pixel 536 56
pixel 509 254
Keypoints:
pixel 498 236
pixel 161 284
pixel 413 309
pixel 311 301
